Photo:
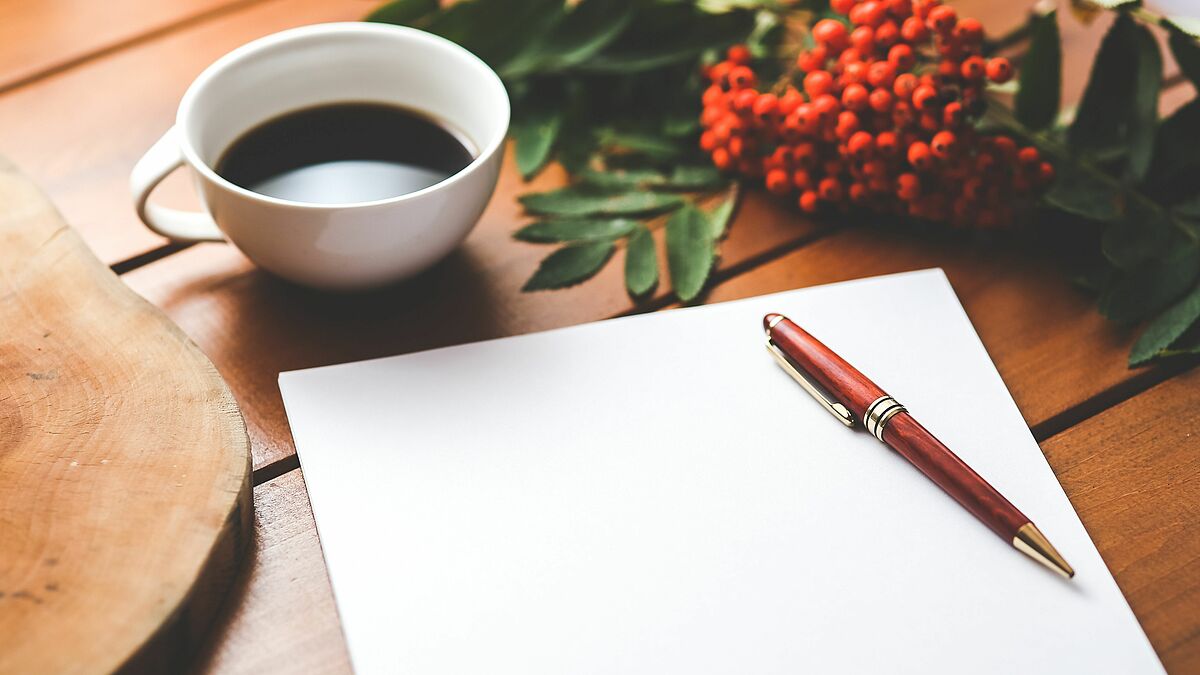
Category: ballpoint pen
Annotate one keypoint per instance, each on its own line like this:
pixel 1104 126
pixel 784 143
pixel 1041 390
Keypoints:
pixel 854 399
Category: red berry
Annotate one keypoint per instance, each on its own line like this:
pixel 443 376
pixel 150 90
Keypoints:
pixel 808 120
pixel 908 186
pixel 830 32
pixel 765 107
pixel 881 74
pixel 921 8
pixel 741 77
pixel 974 68
pixel 801 180
pixel 860 144
pixel 813 59
pixel 942 19
pixel 718 72
pixel 721 159
pixel 880 100
pixel 809 201
pixel 887 34
pixel 904 86
pixel 708 141
pixel 743 101
pixel 855 97
pixel 827 107
pixel 953 115
pixel 920 156
pixel 887 144
pixel 873 13
pixel 1004 146
pixel 902 57
pixel 713 95
pixel 711 114
pixel 818 82
pixel 1029 156
pixel 943 144
pixel 804 154
pixel 969 31
pixel 999 70
pixel 900 8
pixel 847 124
pixel 924 97
pixel 830 189
pixel 739 54
pixel 947 69
pixel 790 100
pixel 854 72
pixel 850 55
pixel 913 29
pixel 842 7
pixel 778 182
pixel 863 39
pixel 1045 173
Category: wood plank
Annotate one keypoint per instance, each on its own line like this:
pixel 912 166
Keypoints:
pixel 41 37
pixel 79 132
pixel 254 326
pixel 1052 348
pixel 1133 474
pixel 124 464
pixel 281 618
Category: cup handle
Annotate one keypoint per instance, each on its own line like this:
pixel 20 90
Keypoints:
pixel 183 226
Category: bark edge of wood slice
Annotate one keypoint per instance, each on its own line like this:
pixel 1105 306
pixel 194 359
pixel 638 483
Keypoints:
pixel 125 481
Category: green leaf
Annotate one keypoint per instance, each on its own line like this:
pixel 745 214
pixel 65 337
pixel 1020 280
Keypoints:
pixel 487 27
pixel 690 253
pixel 589 27
pixel 720 216
pixel 693 177
pixel 1107 100
pixel 585 201
pixel 535 133
pixel 1135 239
pixel 1187 55
pixel 1189 208
pixel 1152 286
pixel 641 262
pixel 545 231
pixel 1084 195
pixel 670 33
pixel 1041 74
pixel 1166 329
pixel 570 265
pixel 622 178
pixel 1143 120
pixel 402 12
pixel 645 144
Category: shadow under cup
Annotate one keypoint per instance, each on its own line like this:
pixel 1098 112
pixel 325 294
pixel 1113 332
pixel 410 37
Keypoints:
pixel 361 244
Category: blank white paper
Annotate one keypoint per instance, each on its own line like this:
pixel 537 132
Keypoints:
pixel 654 494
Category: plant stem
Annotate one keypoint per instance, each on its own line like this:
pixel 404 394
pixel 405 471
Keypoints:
pixel 1004 117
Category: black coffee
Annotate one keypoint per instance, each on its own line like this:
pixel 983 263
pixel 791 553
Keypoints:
pixel 343 153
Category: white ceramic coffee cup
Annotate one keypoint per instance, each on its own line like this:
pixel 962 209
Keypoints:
pixel 335 246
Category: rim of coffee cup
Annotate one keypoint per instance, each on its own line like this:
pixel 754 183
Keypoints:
pixel 231 59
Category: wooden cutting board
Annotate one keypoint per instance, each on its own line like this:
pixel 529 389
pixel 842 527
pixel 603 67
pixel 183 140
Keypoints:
pixel 124 464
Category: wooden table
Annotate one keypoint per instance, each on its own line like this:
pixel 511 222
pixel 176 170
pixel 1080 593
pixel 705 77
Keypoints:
pixel 86 87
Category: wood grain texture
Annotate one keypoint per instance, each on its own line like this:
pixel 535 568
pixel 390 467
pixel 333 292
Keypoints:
pixel 281 615
pixel 41 37
pixel 254 326
pixel 1133 474
pixel 79 132
pixel 124 463
pixel 1047 340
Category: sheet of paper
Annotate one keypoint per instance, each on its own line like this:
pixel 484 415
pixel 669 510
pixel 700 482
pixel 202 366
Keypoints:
pixel 654 495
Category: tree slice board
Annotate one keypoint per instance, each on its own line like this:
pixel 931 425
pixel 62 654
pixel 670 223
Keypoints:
pixel 125 500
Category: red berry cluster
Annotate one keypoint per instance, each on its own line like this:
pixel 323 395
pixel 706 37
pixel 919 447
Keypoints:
pixel 881 119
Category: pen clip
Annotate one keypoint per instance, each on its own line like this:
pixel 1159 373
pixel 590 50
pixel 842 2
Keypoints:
pixel 836 409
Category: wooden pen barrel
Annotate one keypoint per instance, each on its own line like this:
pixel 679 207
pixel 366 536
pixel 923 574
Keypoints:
pixel 825 367
pixel 906 436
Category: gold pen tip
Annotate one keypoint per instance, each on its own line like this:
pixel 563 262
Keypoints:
pixel 1030 541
